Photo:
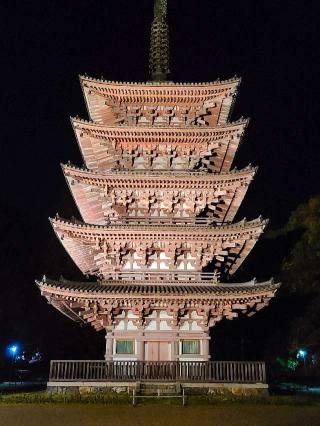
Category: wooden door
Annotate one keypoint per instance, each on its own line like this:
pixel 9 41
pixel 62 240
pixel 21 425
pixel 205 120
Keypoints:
pixel 164 351
pixel 158 351
pixel 152 352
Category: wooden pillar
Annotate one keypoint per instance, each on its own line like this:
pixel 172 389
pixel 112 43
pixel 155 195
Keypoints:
pixel 140 348
pixel 205 349
pixel 109 346
pixel 174 350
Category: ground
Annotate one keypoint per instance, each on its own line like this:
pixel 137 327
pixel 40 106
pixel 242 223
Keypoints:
pixel 156 415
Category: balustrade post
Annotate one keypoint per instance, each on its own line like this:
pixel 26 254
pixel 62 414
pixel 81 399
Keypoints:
pixel 263 373
pixel 51 370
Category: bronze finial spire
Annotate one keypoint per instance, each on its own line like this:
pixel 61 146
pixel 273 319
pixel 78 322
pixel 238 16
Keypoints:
pixel 159 45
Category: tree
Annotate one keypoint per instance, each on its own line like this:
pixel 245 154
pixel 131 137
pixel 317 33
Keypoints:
pixel 300 276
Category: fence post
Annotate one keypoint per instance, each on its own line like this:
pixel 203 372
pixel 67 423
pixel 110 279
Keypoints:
pixel 264 375
pixel 51 370
pixel 183 398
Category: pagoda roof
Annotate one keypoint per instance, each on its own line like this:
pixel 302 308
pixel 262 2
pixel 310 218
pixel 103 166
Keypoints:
pixel 90 246
pixel 90 188
pixel 102 93
pixel 100 145
pixel 90 301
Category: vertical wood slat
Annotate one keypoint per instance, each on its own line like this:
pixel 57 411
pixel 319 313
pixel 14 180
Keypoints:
pixel 57 371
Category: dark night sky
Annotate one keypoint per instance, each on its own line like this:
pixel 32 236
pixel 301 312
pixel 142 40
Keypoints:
pixel 46 44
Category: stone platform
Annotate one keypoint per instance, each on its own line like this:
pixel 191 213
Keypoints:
pixel 164 388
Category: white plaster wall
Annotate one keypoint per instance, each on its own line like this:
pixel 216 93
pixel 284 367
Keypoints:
pixel 120 325
pixel 163 256
pixel 163 265
pixel 164 326
pixel 195 326
pixel 126 266
pixel 164 315
pixel 151 326
pixel 122 358
pixel 131 326
pixel 185 326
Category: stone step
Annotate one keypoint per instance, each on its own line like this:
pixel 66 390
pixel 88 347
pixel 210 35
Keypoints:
pixel 157 392
pixel 159 388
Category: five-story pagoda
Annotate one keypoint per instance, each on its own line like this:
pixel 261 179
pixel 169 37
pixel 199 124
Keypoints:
pixel 158 198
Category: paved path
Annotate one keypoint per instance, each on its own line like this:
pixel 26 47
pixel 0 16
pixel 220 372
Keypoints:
pixel 156 415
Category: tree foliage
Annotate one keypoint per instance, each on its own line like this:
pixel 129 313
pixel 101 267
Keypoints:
pixel 300 275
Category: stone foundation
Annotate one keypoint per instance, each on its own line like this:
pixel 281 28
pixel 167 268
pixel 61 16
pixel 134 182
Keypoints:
pixel 226 389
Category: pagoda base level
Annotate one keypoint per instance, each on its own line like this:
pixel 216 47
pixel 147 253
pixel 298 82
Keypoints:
pixel 163 388
pixel 239 378
pixel 177 345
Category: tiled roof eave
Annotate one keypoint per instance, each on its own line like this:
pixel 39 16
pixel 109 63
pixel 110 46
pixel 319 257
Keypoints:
pixel 241 225
pixel 79 173
pixel 143 290
pixel 233 80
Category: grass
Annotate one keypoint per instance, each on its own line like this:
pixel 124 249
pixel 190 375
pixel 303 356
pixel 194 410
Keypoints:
pixel 55 398
pixel 125 398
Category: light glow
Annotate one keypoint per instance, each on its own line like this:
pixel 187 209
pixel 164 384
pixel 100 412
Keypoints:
pixel 302 353
pixel 13 349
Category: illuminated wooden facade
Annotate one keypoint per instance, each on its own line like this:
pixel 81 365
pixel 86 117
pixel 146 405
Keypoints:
pixel 158 198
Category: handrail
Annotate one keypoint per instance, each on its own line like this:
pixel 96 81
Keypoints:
pixel 147 274
pixel 182 371
pixel 149 220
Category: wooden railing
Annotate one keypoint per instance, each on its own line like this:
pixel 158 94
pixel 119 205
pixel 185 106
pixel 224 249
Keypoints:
pixel 158 220
pixel 184 371
pixel 147 274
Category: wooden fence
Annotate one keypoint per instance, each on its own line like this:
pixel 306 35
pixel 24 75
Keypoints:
pixel 183 371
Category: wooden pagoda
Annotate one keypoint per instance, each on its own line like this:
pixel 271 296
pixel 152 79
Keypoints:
pixel 158 197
